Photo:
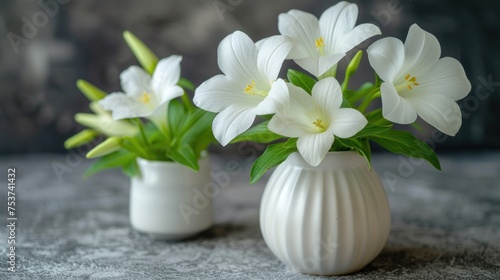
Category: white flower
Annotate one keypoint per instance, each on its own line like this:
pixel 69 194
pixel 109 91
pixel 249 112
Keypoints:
pixel 317 119
pixel 416 81
pixel 249 86
pixel 146 96
pixel 103 122
pixel 320 44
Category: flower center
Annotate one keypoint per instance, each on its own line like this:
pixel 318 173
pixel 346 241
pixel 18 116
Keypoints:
pixel 320 45
pixel 252 89
pixel 145 98
pixel 319 124
pixel 411 82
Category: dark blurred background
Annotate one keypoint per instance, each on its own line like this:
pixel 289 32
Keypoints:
pixel 45 48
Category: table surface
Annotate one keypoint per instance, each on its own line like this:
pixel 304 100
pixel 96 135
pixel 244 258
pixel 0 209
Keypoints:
pixel 445 225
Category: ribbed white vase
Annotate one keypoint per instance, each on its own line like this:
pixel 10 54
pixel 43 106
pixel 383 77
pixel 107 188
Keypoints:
pixel 171 201
pixel 331 219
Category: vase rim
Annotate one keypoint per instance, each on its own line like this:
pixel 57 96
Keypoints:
pixel 331 159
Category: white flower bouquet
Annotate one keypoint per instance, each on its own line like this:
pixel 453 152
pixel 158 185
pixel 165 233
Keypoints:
pixel 175 130
pixel 316 114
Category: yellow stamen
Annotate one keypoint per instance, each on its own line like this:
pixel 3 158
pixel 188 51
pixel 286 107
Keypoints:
pixel 318 124
pixel 145 97
pixel 320 44
pixel 251 89
pixel 411 82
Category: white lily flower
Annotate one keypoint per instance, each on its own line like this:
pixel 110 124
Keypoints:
pixel 316 119
pixel 320 44
pixel 249 86
pixel 103 122
pixel 417 82
pixel 146 96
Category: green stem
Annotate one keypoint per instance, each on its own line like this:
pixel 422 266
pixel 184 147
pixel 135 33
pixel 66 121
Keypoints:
pixel 345 83
pixel 187 102
pixel 368 100
pixel 143 133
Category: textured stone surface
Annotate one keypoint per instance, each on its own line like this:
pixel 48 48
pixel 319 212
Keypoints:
pixel 445 226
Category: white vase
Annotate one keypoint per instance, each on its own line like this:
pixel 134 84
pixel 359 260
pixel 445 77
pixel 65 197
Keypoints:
pixel 332 219
pixel 171 201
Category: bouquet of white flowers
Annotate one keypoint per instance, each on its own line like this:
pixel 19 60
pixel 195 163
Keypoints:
pixel 175 129
pixel 315 114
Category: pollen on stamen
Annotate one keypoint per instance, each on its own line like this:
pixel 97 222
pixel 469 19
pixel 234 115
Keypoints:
pixel 320 42
pixel 249 88
pixel 318 124
pixel 145 97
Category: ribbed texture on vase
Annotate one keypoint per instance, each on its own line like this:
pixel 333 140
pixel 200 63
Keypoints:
pixel 326 221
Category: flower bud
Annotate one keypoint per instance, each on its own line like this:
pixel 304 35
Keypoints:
pixel 144 55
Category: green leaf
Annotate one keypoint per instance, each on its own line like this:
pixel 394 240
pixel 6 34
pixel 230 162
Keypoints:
pixel 272 156
pixel 184 155
pixel 363 90
pixel 197 123
pixel 117 159
pixel 259 133
pixel 376 117
pixel 301 80
pixel 362 146
pixel 404 143
pixel 203 141
pixel 132 169
pixel 291 143
pixel 176 116
pixel 144 55
pixel 372 129
pixel 186 84
pixel 92 92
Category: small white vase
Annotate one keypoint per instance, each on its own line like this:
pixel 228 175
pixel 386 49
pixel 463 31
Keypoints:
pixel 332 219
pixel 171 201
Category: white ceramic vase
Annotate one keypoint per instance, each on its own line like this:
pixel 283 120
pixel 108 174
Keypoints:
pixel 332 219
pixel 171 201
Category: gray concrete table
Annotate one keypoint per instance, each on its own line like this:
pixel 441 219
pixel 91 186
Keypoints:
pixel 445 225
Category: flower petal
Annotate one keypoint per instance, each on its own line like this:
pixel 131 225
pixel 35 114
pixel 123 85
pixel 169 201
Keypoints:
pixel 237 57
pixel 123 106
pixel 314 147
pixel 394 107
pixel 134 81
pixel 446 77
pixel 272 53
pixel 337 21
pixel 294 120
pixel 170 93
pixel 303 29
pixel 231 122
pixel 422 50
pixel 386 56
pixel 166 75
pixel 356 36
pixel 220 92
pixel 320 64
pixel 328 95
pixel 440 111
pixel 347 122
pixel 277 98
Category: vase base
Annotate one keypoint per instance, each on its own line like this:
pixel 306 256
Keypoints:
pixel 171 236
